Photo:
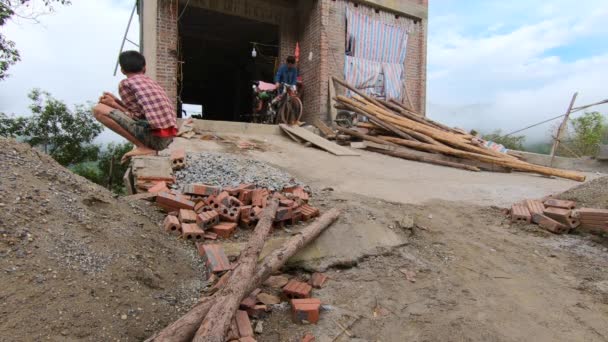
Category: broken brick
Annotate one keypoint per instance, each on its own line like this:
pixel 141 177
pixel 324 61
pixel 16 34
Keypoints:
pixel 224 229
pixel 232 191
pixel 210 236
pixel 200 206
pixel 260 197
pixel 306 310
pixel 268 299
pixel 562 215
pixel 560 204
pixel 308 338
pixel 549 224
pixel 243 324
pixel 171 224
pixel 187 216
pixel 297 289
pixel 247 224
pixel 178 159
pixel 214 257
pixel 247 339
pixel 308 212
pixel 191 231
pixel 520 213
pixel 171 202
pixel 286 203
pixel 317 280
pixel 246 196
pixel 229 214
pixel 283 214
pixel 250 301
pixel 235 202
pixel 160 186
pixel 276 281
pixel 535 206
pixel 588 213
pixel 201 190
pixel 257 211
pixel 207 219
pixel 297 191
pixel 223 198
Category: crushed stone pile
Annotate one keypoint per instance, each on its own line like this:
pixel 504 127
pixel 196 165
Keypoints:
pixel 226 170
pixel 592 194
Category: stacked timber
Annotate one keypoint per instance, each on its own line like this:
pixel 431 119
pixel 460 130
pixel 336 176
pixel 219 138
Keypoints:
pixel 401 132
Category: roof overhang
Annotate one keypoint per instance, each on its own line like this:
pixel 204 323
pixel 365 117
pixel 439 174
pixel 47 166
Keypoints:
pixel 401 7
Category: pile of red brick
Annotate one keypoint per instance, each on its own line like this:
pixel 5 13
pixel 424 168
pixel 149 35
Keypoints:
pixel 207 212
pixel 558 216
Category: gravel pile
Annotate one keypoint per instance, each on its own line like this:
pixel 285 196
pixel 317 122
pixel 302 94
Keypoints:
pixel 220 169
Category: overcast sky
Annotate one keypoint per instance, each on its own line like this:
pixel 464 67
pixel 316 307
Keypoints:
pixel 491 64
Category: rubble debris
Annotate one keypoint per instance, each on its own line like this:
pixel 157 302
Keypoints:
pixel 308 338
pixel 317 280
pixel 306 310
pixel 409 274
pixel 259 327
pixel 243 324
pixel 186 326
pixel 268 299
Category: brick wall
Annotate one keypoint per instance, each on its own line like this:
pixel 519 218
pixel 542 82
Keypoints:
pixel 333 33
pixel 310 69
pixel 166 50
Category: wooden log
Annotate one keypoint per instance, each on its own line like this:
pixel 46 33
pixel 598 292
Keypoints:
pixel 430 160
pixel 513 164
pixel 217 321
pixel 184 328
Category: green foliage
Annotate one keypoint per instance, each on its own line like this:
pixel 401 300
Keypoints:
pixel 108 161
pixel 541 148
pixel 514 142
pixel 9 54
pixel 64 134
pixel 585 134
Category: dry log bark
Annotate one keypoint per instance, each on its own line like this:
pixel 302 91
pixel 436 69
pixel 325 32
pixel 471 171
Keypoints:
pixel 217 321
pixel 184 329
pixel 513 164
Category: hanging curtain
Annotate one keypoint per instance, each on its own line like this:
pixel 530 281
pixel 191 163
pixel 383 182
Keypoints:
pixel 375 48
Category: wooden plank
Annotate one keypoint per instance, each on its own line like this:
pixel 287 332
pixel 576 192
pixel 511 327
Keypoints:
pixel 333 111
pixel 561 129
pixel 319 141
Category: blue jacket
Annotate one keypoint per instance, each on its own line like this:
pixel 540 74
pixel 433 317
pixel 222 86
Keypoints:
pixel 286 75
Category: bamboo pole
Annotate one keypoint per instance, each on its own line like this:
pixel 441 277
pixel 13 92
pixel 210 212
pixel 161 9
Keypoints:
pixel 430 160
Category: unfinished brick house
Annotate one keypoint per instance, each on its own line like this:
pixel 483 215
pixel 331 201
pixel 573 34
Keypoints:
pixel 201 50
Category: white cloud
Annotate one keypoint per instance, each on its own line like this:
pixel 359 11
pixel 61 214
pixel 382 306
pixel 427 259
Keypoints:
pixel 71 54
pixel 497 79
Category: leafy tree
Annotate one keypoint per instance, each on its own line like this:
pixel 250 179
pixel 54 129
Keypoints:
pixel 9 54
pixel 63 133
pixel 585 134
pixel 512 142
pixel 107 170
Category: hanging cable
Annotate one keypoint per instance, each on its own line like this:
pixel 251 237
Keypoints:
pixel 184 10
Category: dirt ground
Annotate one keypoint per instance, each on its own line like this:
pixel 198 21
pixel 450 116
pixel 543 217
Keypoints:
pixel 79 264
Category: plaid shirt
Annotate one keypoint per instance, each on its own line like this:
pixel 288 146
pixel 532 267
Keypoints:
pixel 145 99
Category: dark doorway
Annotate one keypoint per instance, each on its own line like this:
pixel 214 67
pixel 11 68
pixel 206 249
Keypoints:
pixel 218 69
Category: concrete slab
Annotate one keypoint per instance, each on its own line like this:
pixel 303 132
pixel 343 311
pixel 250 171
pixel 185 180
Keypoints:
pixel 235 127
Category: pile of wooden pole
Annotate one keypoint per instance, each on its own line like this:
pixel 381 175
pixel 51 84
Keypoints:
pixel 210 319
pixel 399 131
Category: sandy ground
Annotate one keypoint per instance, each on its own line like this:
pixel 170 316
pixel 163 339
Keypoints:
pixel 393 179
pixel 78 264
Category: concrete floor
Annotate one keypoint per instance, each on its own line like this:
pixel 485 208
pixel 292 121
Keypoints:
pixel 388 178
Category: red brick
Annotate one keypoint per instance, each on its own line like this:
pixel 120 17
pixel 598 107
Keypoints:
pixel 308 212
pixel 297 289
pixel 257 211
pixel 246 196
pixel 201 206
pixel 535 206
pixel 191 231
pixel 171 224
pixel 160 186
pixel 308 338
pixel 306 310
pixel 287 203
pixel 210 201
pixel 549 224
pixel 201 190
pixel 247 339
pixel 214 257
pixel 562 215
pixel 284 214
pixel 223 199
pixel 210 236
pixel 232 191
pixel 260 197
pixel 297 191
pixel 560 204
pixel 224 229
pixel 317 280
pixel 520 214
pixel 229 214
pixel 171 202
pixel 243 323
pixel 187 216
pixel 207 219
pixel 585 213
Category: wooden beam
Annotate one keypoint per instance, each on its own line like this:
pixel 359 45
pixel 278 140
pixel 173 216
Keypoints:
pixel 562 128
pixel 406 8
